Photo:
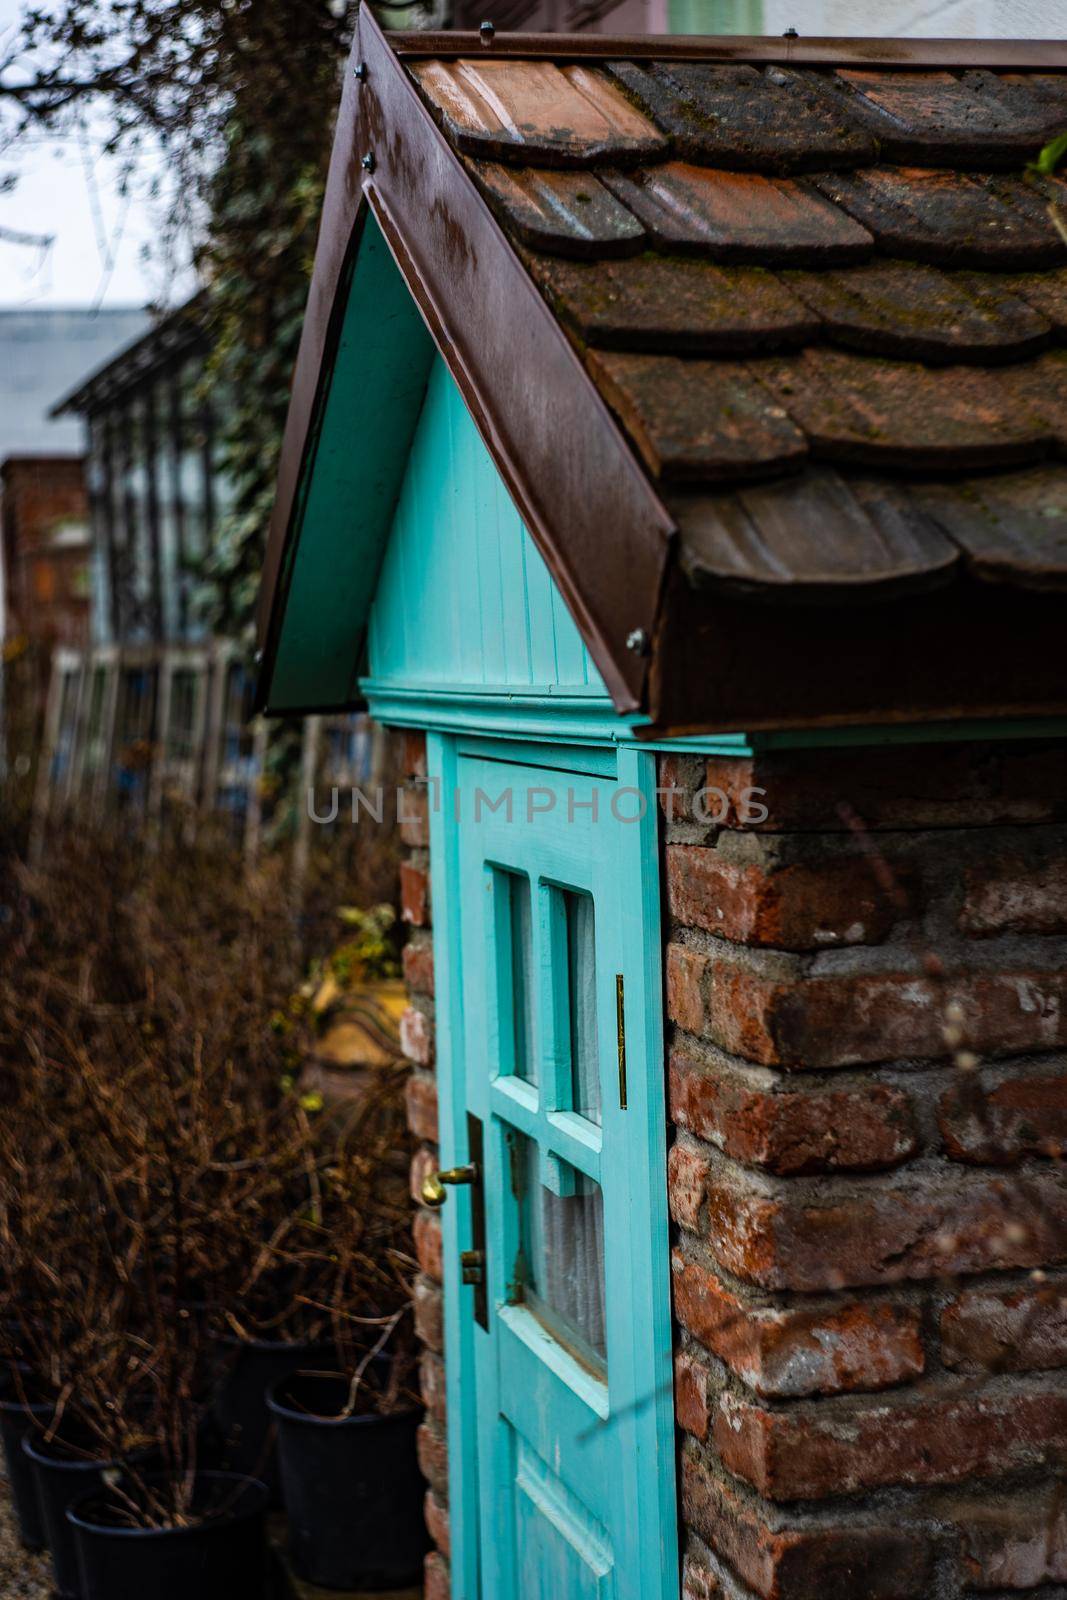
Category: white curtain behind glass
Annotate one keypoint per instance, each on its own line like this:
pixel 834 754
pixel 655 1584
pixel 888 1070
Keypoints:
pixel 581 964
pixel 565 1251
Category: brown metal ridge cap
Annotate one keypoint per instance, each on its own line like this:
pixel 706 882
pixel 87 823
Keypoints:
pixel 1016 55
pixel 597 521
pixel 321 330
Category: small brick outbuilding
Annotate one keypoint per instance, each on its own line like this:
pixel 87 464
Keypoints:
pixel 676 452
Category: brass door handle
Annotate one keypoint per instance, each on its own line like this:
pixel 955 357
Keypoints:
pixel 434 1194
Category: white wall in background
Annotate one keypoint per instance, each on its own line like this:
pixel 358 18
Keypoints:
pixel 920 19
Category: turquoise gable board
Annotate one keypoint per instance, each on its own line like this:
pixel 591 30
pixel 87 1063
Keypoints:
pixel 351 479
pixel 464 599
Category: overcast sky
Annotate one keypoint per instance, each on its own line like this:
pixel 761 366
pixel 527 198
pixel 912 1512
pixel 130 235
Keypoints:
pixel 106 250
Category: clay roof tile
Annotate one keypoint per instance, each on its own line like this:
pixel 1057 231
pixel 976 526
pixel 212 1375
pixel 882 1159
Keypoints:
pixel 773 265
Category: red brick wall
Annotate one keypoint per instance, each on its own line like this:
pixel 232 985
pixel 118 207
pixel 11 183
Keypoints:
pixel 417 1038
pixel 48 595
pixel 867 994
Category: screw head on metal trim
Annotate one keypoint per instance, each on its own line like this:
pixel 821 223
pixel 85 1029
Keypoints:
pixel 368 161
pixel 360 71
pixel 637 641
pixel 487 30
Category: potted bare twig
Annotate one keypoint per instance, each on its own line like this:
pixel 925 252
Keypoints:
pixel 347 1430
pixel 137 1537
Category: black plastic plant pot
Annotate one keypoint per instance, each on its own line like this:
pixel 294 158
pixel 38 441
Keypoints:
pixel 241 1415
pixel 352 1487
pixel 220 1555
pixel 62 1475
pixel 20 1410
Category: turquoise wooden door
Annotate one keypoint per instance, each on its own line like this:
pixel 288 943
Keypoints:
pixel 553 1082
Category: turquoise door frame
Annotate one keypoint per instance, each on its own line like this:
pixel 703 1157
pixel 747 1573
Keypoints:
pixel 562 1478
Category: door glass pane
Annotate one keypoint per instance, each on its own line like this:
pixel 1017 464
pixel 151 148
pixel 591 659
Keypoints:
pixel 563 1247
pixel 520 944
pixel 581 967
pixel 182 723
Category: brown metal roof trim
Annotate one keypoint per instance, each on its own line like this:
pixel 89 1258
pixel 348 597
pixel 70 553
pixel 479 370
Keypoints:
pixel 722 664
pixel 569 470
pixel 1019 55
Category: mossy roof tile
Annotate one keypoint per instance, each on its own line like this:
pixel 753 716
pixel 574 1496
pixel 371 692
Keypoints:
pixel 872 240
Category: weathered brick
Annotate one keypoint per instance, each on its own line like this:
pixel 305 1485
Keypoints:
pixel 815 1023
pixel 427 1233
pixel 691 1405
pixel 840 1447
pixel 698 1580
pixel 429 1313
pixel 687 1177
pixel 1007 1330
pixel 788 1132
pixel 416 1036
pixel 1000 1123
pixel 433 1458
pixel 432 1386
pixel 438 1525
pixel 1011 1541
pixel 418 966
pixel 415 894
pixel 1015 896
pixel 423 1162
pixel 414 815
pixel 795 1352
pixel 686 976
pixel 821 1561
pixel 437 1581
pixel 413 753
pixel 802 906
pixel 847 1020
pixel 828 1399
pixel 883 1234
pixel 678 780
pixel 853 1018
pixel 420 1099
pixel 732 1006
pixel 902 787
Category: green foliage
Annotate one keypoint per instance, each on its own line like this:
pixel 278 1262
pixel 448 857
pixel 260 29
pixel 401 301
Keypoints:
pixel 373 951
pixel 1050 157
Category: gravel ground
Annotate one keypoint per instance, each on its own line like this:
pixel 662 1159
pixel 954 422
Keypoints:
pixel 22 1576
